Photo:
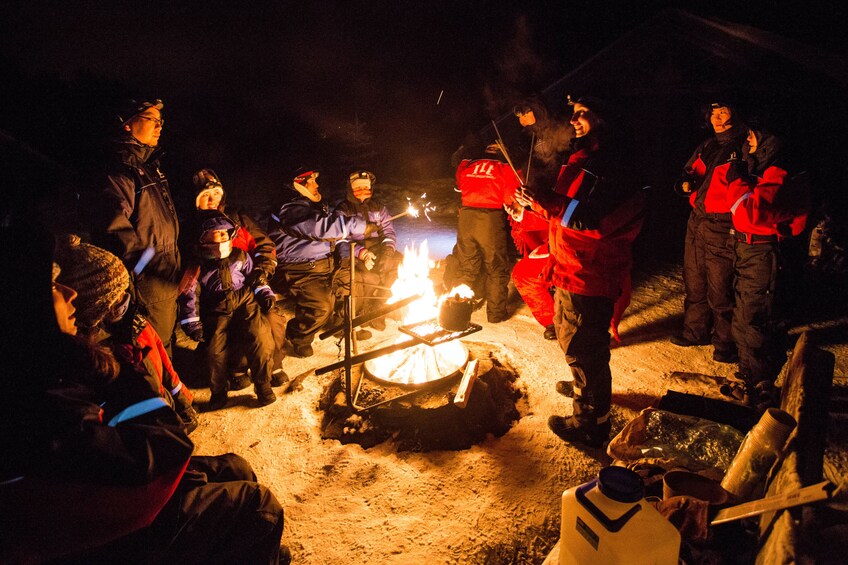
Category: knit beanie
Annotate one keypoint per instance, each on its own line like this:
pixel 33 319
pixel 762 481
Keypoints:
pixel 99 278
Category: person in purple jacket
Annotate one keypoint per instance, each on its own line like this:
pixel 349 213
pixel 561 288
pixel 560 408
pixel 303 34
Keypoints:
pixel 226 297
pixel 305 232
pixel 377 257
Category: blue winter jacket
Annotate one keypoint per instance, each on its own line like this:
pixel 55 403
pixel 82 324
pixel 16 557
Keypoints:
pixel 380 216
pixel 306 231
pixel 213 288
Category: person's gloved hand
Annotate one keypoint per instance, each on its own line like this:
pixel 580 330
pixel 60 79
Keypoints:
pixel 516 212
pixel 369 258
pixel 371 229
pixel 523 197
pixel 257 278
pixel 266 300
pixel 738 170
pixel 194 330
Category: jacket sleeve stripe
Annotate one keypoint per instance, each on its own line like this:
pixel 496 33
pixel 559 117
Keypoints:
pixel 738 202
pixel 138 409
pixel 569 211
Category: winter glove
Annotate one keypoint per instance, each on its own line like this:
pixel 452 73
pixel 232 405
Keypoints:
pixel 738 169
pixel 371 229
pixel 266 298
pixel 194 330
pixel 516 212
pixel 257 278
pixel 523 198
pixel 369 258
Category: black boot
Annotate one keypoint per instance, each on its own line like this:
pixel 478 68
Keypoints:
pixel 218 401
pixel 550 332
pixel 574 431
pixel 264 393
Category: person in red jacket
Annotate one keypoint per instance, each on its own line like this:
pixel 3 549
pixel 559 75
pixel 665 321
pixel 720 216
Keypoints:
pixel 595 212
pixel 708 251
pixel 769 201
pixel 486 184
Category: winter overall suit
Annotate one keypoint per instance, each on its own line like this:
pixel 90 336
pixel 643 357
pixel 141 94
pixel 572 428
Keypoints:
pixel 305 233
pixel 224 300
pixel 708 254
pixel 88 481
pixel 370 286
pixel 595 213
pixel 769 203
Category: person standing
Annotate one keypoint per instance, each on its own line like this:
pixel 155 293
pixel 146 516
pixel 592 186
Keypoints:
pixel 305 232
pixel 132 215
pixel 769 201
pixel 482 245
pixel 708 254
pixel 595 213
pixel 543 156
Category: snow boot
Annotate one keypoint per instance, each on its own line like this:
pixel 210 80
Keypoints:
pixel 239 380
pixel 572 430
pixel 565 388
pixel 264 393
pixel 217 401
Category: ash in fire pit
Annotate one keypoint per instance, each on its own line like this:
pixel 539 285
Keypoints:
pixel 428 420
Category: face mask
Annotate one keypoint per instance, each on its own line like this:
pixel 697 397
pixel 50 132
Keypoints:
pixel 118 311
pixel 216 250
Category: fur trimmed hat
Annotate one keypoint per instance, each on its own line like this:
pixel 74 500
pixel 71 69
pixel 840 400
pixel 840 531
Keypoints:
pixel 99 278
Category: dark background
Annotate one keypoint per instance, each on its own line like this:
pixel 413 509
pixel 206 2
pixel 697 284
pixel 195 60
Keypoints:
pixel 254 90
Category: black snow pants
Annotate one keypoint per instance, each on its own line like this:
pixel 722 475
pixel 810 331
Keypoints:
pixel 310 285
pixel 218 514
pixel 708 259
pixel 758 319
pixel 582 328
pixel 220 320
pixel 482 245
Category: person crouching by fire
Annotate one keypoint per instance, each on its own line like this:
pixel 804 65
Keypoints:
pixel 595 212
pixel 482 236
pixel 305 232
pixel 226 302
pixel 377 257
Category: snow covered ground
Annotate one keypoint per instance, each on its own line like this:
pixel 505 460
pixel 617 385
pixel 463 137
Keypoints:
pixel 498 502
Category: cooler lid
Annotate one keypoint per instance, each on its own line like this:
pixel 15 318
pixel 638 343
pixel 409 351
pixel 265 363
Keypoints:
pixel 621 484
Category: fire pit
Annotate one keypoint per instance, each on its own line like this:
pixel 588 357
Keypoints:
pixel 427 352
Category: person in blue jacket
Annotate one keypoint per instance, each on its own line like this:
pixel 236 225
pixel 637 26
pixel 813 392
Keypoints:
pixel 305 232
pixel 227 298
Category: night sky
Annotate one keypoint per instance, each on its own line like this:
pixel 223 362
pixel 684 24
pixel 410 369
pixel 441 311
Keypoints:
pixel 254 92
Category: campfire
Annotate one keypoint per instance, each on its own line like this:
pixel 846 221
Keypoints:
pixel 436 358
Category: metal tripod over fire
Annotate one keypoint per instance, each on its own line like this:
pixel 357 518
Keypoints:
pixel 423 353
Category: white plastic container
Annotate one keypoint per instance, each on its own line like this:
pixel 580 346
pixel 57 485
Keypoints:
pixel 608 521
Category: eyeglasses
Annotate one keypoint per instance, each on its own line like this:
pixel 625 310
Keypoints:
pixel 156 121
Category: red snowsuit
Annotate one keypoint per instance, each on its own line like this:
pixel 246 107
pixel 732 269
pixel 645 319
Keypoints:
pixel 531 239
pixel 769 207
pixel 594 218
